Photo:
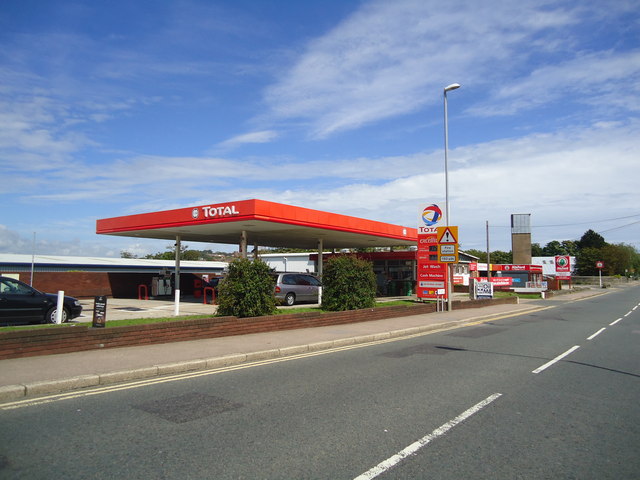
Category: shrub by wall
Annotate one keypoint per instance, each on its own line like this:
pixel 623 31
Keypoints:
pixel 348 284
pixel 247 290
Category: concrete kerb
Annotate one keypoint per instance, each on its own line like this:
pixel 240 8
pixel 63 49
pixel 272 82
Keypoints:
pixel 17 392
pixel 63 385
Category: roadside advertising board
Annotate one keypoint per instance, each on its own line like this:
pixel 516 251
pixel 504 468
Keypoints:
pixel 501 281
pixel 483 289
pixel 563 266
pixel 431 276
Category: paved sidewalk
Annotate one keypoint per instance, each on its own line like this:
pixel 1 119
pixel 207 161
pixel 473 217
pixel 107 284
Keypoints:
pixel 33 376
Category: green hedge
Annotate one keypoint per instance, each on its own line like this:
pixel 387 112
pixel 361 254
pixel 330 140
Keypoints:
pixel 348 284
pixel 247 290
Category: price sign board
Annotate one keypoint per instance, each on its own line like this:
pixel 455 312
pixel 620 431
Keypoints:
pixel 431 275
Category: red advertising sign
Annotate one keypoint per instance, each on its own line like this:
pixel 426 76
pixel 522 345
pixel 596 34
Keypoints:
pixel 432 276
pixel 425 242
pixel 563 265
pixel 517 268
pixel 501 281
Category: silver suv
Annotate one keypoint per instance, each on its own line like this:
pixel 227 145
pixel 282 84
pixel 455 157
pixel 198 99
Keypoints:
pixel 296 287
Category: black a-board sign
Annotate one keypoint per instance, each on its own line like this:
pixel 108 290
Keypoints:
pixel 100 311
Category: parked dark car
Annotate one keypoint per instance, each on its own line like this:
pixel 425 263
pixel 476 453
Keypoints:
pixel 20 303
pixel 296 287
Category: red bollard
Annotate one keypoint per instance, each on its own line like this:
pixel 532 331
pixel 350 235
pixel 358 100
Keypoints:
pixel 146 292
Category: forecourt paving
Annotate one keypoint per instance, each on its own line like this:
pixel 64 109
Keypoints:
pixel 33 376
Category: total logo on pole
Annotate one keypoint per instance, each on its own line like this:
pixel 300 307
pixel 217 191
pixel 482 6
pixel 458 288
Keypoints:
pixel 431 273
pixel 431 217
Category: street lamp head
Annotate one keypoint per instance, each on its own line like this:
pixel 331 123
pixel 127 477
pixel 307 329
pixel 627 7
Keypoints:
pixel 453 86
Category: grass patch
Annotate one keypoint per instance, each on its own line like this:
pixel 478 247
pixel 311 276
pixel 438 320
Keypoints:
pixel 146 321
pixel 110 323
pixel 514 294
pixel 285 311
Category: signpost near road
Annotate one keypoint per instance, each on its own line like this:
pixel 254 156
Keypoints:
pixel 600 266
pixel 447 244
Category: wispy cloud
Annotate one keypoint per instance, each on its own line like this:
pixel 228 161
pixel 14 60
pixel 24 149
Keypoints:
pixel 611 79
pixel 385 59
pixel 392 58
pixel 263 136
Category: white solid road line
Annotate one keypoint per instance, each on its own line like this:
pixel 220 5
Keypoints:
pixel 557 359
pixel 597 333
pixel 414 447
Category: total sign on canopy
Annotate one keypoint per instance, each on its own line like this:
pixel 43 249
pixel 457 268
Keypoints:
pixel 215 211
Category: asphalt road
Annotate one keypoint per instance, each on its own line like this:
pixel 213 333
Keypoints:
pixel 493 401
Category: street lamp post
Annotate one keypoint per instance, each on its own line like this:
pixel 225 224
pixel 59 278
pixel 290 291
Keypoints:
pixel 448 88
pixel 453 86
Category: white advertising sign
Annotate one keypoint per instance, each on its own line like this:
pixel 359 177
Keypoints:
pixel 484 289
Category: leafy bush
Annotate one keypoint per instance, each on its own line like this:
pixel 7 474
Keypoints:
pixel 348 284
pixel 247 290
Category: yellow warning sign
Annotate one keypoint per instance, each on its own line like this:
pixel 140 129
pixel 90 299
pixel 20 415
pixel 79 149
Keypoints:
pixel 448 234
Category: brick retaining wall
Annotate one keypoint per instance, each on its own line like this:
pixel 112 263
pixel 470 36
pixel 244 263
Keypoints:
pixel 66 338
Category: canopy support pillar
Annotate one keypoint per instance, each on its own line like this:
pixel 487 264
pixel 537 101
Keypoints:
pixel 178 245
pixel 243 244
pixel 320 249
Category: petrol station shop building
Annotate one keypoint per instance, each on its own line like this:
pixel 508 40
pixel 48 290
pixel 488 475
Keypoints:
pixel 252 224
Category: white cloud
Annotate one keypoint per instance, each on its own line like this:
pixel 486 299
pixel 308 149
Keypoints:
pixel 263 136
pixel 605 78
pixel 579 175
pixel 390 58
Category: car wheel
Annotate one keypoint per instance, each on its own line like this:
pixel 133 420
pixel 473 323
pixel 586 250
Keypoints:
pixel 290 299
pixel 50 317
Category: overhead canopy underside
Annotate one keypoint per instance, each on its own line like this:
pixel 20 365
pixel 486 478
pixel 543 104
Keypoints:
pixel 264 223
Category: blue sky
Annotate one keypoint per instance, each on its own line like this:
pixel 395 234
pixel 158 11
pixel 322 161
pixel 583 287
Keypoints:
pixel 122 107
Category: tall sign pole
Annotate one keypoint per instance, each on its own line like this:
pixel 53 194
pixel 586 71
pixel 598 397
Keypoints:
pixel 453 86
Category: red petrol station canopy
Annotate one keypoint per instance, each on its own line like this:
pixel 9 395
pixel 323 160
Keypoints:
pixel 266 224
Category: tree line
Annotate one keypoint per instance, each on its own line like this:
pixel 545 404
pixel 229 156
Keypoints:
pixel 618 259
pixel 185 254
